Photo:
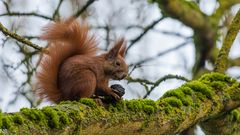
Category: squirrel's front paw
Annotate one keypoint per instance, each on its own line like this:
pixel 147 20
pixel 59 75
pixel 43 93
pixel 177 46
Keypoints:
pixel 115 96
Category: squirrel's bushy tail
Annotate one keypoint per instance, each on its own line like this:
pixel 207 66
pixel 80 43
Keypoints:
pixel 65 39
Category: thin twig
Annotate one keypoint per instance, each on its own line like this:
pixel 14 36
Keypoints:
pixel 164 78
pixel 26 14
pixel 138 80
pixel 149 27
pixel 6 6
pixel 162 53
pixel 79 12
pixel 56 12
pixel 6 32
pixel 171 33
pixel 153 85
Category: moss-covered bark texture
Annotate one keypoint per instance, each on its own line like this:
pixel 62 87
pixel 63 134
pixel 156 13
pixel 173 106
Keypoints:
pixel 212 96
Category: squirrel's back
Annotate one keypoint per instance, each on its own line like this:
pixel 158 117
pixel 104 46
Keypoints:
pixel 65 39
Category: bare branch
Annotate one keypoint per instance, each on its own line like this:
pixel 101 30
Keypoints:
pixel 164 78
pixel 26 14
pixel 90 2
pixel 6 32
pixel 6 6
pixel 56 12
pixel 162 53
pixel 153 85
pixel 149 27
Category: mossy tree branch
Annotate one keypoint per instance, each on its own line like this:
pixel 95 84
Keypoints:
pixel 205 34
pixel 209 97
pixel 25 41
pixel 222 59
pixel 221 124
pixel 183 11
pixel 223 6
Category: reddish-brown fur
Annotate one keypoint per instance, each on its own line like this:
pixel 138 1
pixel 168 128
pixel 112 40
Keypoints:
pixel 71 69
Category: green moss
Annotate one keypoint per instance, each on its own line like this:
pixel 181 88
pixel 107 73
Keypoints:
pixel 75 114
pixel 6 122
pixel 63 118
pixel 112 108
pixel 1 115
pixel 88 101
pixel 34 115
pixel 200 87
pixel 214 76
pixel 146 105
pixel 218 85
pixel 200 96
pixel 173 101
pixel 134 105
pixel 178 93
pixel 18 119
pixel 222 83
pixel 121 105
pixel 187 100
pixel 186 90
pixel 150 103
pixel 149 106
pixel 232 88
pixel 148 109
pixel 52 117
pixel 236 115
pixel 167 109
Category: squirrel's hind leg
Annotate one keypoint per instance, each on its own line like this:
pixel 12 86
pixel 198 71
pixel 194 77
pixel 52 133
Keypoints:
pixel 83 86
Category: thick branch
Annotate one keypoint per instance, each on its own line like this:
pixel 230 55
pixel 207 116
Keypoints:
pixel 183 11
pixel 177 110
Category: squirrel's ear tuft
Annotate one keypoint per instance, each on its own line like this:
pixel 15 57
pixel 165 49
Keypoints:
pixel 117 49
pixel 123 48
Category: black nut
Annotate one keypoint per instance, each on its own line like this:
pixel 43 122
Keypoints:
pixel 118 89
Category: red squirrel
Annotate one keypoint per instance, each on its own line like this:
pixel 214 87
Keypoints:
pixel 71 69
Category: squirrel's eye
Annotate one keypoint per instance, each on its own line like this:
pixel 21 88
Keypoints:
pixel 117 63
